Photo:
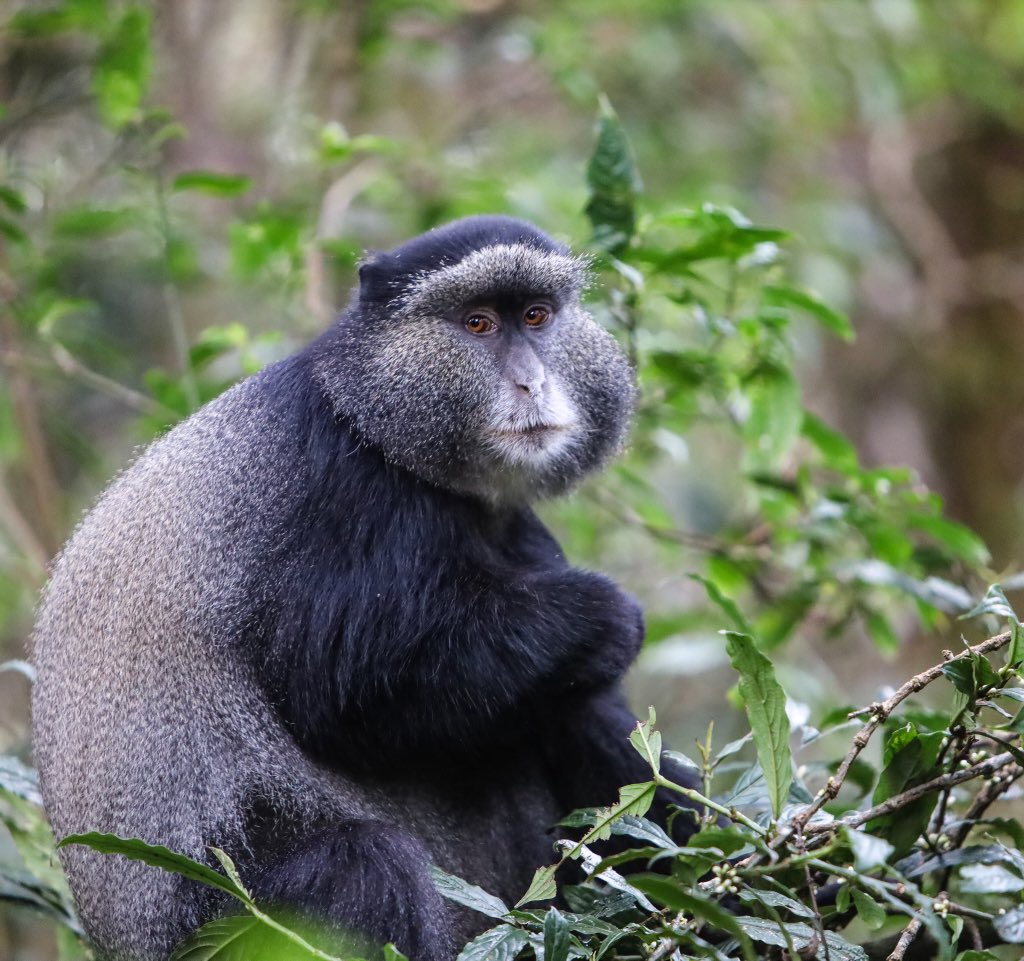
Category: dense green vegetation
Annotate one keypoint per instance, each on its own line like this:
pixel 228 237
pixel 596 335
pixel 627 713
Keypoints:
pixel 750 514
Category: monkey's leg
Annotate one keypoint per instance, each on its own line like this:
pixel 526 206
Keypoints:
pixel 369 879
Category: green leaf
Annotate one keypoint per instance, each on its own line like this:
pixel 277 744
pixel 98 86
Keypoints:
pixel 88 222
pixel 869 852
pixel 468 895
pixel 785 296
pixel 634 799
pixel 775 900
pixel 391 953
pixel 910 759
pixel 881 631
pixel 868 910
pixel 614 184
pixel 502 943
pixel 208 182
pixel 765 704
pixel 121 71
pixel 669 893
pixel 647 743
pixel 158 856
pixel 224 939
pixel 643 830
pixel 12 199
pixel 776 416
pixel 768 932
pixel 557 937
pixel 960 541
pixel 542 887
pixel 726 840
pixel 970 672
pixel 230 870
pixel 1015 649
pixel 725 604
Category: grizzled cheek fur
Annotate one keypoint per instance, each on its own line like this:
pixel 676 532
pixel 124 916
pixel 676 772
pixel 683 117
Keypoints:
pixel 599 381
pixel 423 406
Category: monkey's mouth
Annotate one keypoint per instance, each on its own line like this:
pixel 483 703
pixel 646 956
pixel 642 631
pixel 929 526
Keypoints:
pixel 534 431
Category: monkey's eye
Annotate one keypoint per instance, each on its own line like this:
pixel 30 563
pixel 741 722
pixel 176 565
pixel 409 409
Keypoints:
pixel 480 324
pixel 537 315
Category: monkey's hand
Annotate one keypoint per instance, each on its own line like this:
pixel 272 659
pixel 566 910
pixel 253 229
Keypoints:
pixel 608 629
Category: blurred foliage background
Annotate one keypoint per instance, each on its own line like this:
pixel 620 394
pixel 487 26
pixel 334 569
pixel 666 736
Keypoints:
pixel 185 188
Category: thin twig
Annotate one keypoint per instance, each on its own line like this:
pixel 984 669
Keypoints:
pixel 879 714
pixel 901 800
pixel 906 938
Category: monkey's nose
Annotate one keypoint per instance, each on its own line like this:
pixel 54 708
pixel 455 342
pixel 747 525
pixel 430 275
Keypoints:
pixel 531 387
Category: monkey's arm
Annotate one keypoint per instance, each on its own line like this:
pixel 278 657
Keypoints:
pixel 471 663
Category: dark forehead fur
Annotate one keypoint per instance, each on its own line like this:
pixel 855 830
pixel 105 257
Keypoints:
pixel 387 278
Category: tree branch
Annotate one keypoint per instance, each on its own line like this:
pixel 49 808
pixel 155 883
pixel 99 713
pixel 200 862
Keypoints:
pixel 880 712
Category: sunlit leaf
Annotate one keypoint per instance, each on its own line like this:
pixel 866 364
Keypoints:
pixel 209 182
pixel 765 703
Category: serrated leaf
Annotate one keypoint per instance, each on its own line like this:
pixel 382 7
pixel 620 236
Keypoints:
pixel 157 856
pixel 502 943
pixel 209 182
pixel 231 871
pixel 468 895
pixel 614 184
pixel 868 909
pixel 765 703
pixel 223 939
pixel 785 296
pixel 542 887
pixel 647 741
pixel 557 936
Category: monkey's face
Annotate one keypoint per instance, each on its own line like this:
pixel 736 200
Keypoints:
pixel 487 377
